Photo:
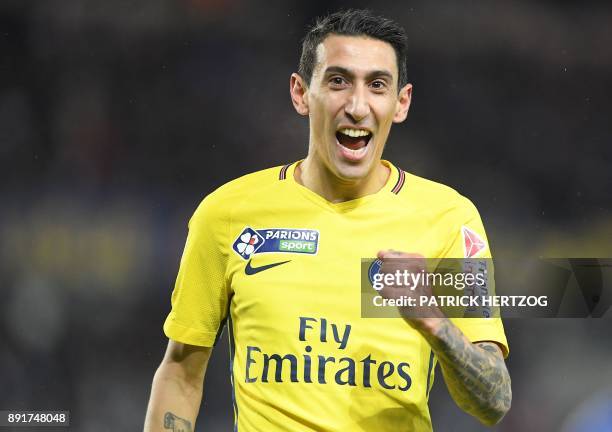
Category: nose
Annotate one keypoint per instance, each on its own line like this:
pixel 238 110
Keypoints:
pixel 357 106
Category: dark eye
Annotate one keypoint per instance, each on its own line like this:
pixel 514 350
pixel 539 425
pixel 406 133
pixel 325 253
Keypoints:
pixel 337 81
pixel 378 84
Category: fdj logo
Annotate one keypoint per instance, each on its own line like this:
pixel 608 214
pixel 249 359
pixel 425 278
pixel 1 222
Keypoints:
pixel 248 243
pixel 282 240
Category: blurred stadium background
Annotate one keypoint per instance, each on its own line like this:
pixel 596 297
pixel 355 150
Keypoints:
pixel 117 117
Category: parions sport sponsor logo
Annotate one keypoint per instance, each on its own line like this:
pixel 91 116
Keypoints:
pixel 281 240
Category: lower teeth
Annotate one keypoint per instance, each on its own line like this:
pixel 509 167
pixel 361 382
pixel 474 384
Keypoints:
pixel 357 151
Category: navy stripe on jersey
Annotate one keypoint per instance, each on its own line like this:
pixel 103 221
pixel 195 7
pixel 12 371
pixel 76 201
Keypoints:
pixel 429 372
pixel 283 172
pixel 400 181
pixel 220 330
pixel 232 348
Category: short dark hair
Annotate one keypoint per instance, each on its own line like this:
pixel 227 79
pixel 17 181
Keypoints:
pixel 354 22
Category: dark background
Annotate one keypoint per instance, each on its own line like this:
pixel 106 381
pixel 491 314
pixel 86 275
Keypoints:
pixel 118 117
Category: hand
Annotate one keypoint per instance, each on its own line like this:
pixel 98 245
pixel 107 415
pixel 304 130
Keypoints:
pixel 408 267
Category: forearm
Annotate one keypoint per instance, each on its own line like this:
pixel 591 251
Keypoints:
pixel 475 375
pixel 175 401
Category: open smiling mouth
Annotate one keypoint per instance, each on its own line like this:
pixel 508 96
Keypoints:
pixel 353 142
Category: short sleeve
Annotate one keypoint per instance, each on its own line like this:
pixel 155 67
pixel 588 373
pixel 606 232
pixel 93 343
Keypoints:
pixel 201 294
pixel 468 240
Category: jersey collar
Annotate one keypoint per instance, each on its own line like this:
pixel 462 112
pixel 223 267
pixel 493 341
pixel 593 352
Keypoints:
pixel 393 185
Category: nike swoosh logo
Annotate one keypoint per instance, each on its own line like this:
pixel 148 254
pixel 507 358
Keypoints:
pixel 254 270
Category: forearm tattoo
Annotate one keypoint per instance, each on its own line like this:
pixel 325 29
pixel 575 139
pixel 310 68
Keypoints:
pixel 475 374
pixel 176 423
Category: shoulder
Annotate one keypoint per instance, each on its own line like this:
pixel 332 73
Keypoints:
pixel 247 184
pixel 435 199
pixel 219 203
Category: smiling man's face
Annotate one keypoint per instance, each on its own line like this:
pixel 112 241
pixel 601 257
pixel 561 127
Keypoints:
pixel 352 101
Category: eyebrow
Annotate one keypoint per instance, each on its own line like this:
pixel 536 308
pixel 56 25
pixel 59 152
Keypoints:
pixel 348 72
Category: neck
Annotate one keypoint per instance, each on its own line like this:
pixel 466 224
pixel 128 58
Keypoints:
pixel 316 177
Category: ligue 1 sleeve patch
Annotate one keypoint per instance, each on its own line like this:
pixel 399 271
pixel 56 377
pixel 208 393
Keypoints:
pixel 472 242
pixel 283 240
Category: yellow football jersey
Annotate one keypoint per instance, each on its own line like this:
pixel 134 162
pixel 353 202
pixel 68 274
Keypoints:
pixel 283 265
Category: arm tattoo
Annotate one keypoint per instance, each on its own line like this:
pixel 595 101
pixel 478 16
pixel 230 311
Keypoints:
pixel 176 423
pixel 475 374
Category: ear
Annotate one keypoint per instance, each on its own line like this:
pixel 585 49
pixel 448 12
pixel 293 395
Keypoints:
pixel 403 104
pixel 299 94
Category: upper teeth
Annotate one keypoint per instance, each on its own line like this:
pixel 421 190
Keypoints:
pixel 354 132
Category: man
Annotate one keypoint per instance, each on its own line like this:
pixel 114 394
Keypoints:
pixel 277 253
